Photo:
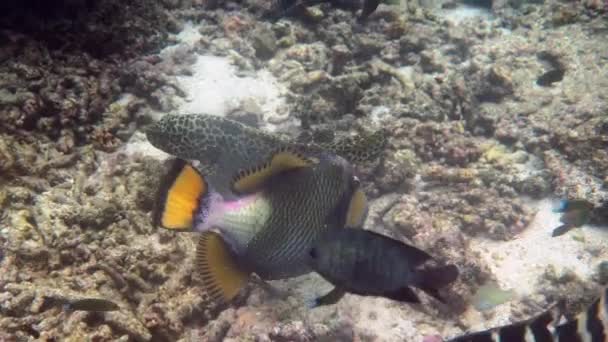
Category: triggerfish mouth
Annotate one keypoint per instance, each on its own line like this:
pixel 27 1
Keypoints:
pixel 273 203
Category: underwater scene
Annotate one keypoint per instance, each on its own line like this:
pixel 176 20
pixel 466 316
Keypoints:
pixel 304 170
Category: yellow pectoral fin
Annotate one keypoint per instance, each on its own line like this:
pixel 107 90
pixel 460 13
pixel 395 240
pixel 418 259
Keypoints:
pixel 221 277
pixel 357 210
pixel 252 179
pixel 179 197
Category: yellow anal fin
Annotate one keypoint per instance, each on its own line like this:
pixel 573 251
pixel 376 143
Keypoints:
pixel 179 197
pixel 221 277
pixel 357 209
pixel 252 179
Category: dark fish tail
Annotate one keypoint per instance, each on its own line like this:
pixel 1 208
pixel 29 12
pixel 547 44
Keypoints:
pixel 432 279
pixel 369 7
pixel 404 294
pixel 561 230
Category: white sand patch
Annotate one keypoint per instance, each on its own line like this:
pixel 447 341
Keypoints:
pixel 517 264
pixel 139 145
pixel 215 88
pixel 464 13
pixel 189 35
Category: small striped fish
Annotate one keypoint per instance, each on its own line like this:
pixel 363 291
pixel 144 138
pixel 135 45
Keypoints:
pixel 588 326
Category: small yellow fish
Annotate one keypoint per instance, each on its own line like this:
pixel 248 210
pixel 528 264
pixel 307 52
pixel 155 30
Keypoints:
pixel 490 295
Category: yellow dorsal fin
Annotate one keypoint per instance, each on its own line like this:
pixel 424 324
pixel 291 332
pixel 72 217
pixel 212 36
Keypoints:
pixel 357 209
pixel 221 277
pixel 180 195
pixel 250 180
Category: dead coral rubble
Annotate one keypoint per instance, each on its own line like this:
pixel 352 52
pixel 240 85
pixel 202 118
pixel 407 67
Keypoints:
pixel 63 66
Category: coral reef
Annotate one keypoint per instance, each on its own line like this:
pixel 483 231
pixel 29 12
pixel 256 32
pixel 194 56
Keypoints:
pixel 485 116
pixel 66 64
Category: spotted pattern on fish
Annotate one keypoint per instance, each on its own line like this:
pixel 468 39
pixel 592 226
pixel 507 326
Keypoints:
pixel 210 139
pixel 224 147
pixel 359 149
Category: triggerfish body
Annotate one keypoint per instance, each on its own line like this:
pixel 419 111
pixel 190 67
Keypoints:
pixel 590 325
pixel 366 263
pixel 270 227
pixel 258 200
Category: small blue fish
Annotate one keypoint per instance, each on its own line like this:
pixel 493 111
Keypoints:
pixel 575 213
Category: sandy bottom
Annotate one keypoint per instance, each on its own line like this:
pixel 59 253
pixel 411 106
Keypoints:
pixel 517 263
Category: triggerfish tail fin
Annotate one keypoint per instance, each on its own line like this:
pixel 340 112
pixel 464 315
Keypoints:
pixel 357 210
pixel 221 276
pixel 180 196
pixel 432 279
pixel 253 178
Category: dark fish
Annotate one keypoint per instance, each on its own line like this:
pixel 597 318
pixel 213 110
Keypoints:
pixel 369 7
pixel 91 304
pixel 590 325
pixel 549 77
pixel 369 264
pixel 575 213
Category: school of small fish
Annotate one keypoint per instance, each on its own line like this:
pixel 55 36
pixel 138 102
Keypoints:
pixel 282 208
